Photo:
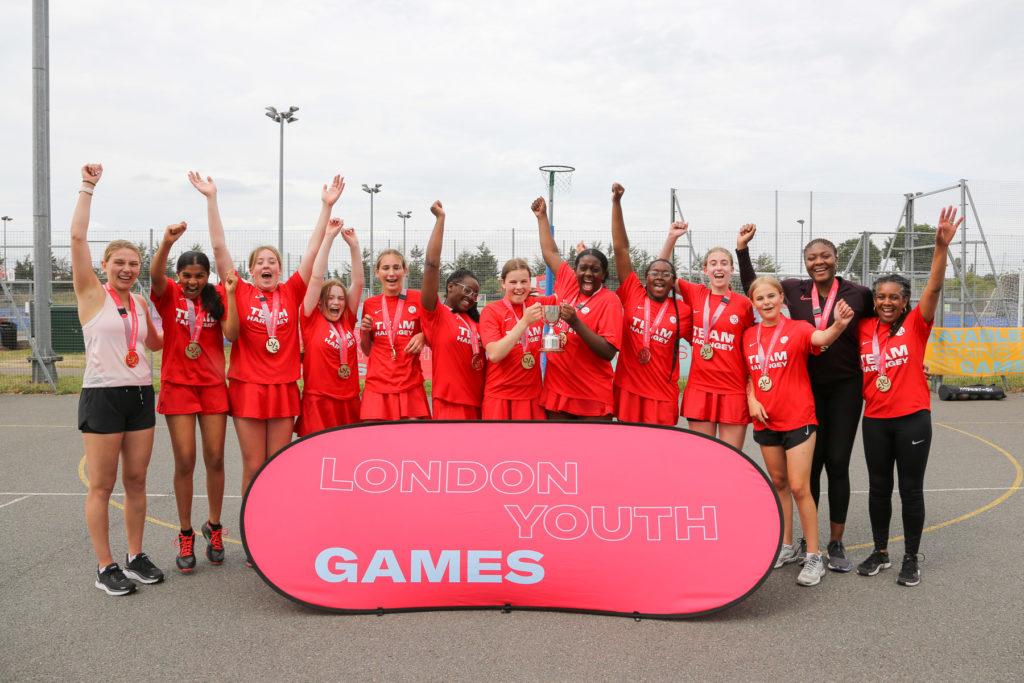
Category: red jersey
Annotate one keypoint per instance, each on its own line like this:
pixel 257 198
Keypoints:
pixel 790 401
pixel 670 320
pixel 726 371
pixel 322 356
pixel 508 379
pixel 250 360
pixel 578 372
pixel 904 366
pixel 208 368
pixel 451 336
pixel 384 374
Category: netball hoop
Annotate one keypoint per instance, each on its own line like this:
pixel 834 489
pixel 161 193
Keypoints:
pixel 556 176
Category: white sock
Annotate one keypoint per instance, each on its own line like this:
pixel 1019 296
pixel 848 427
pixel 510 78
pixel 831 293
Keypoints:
pixel 131 558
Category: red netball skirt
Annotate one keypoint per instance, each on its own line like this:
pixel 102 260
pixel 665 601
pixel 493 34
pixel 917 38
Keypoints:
pixel 511 409
pixel 630 407
pixel 730 409
pixel 323 412
pixel 263 401
pixel 186 399
pixel 411 404
pixel 445 410
pixel 558 403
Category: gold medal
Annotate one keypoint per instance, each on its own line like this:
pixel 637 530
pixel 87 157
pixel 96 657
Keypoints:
pixel 477 363
pixel 344 371
pixel 707 351
pixel 193 350
pixel 883 383
pixel 528 361
pixel 273 346
pixel 764 383
pixel 131 359
pixel 644 356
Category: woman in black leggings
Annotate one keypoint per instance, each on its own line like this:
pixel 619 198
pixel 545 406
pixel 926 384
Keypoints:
pixel 835 377
pixel 897 413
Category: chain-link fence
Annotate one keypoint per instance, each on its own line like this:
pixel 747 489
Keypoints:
pixel 983 286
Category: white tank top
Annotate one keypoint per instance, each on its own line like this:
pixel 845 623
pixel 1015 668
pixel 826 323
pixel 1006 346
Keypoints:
pixel 106 347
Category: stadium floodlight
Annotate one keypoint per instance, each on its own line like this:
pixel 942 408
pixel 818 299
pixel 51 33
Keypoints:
pixel 281 118
pixel 371 191
pixel 404 215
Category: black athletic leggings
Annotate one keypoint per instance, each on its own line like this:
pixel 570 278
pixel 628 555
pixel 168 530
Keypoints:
pixel 905 442
pixel 838 406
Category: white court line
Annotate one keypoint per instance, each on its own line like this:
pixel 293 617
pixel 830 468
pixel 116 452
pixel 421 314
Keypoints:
pixel 16 500
pixel 83 493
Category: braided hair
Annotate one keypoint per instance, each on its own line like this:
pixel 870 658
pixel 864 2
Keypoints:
pixel 904 284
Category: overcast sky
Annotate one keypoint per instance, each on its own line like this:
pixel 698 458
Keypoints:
pixel 462 101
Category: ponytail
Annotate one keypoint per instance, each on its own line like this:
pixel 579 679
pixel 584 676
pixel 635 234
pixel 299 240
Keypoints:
pixel 212 303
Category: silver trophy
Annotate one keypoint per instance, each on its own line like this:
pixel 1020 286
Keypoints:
pixel 552 340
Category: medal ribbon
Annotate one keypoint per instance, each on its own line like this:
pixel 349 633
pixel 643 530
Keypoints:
pixel 714 319
pixel 131 330
pixel 524 340
pixel 270 319
pixel 762 357
pixel 474 335
pixel 821 316
pixel 390 328
pixel 195 320
pixel 879 352
pixel 342 341
pixel 647 319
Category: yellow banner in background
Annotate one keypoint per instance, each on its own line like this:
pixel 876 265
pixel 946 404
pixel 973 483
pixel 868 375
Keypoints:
pixel 976 351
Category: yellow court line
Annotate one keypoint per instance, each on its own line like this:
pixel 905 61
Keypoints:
pixel 1010 490
pixel 120 506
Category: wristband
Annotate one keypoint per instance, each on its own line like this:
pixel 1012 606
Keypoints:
pixel 85 190
pixel 89 181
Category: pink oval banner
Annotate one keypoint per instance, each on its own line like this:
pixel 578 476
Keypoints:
pixel 596 517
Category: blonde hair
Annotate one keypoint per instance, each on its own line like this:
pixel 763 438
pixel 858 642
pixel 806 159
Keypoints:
pixel 325 290
pixel 120 244
pixel 712 250
pixel 255 252
pixel 514 264
pixel 390 252
pixel 764 280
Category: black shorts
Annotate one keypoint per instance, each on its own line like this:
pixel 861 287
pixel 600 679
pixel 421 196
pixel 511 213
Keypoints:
pixel 112 410
pixel 790 439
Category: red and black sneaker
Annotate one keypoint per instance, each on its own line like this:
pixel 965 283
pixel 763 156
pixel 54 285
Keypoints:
pixel 186 559
pixel 214 543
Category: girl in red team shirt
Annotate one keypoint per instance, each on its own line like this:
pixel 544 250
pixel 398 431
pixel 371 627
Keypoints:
pixel 715 398
pixel 782 405
pixel 654 320
pixel 578 381
pixel 457 354
pixel 263 392
pixel 511 332
pixel 391 337
pixel 192 387
pixel 897 426
pixel 330 369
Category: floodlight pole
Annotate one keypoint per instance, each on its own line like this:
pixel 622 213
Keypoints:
pixel 371 191
pixel 43 359
pixel 281 118
pixel 800 260
pixel 404 215
pixel 7 266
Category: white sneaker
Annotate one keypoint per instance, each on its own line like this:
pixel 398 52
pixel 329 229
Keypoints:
pixel 814 569
pixel 787 555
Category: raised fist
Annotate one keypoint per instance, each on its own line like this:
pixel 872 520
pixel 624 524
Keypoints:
pixel 617 192
pixel 745 234
pixel 334 227
pixel 678 229
pixel 437 209
pixel 92 173
pixel 174 231
pixel 539 207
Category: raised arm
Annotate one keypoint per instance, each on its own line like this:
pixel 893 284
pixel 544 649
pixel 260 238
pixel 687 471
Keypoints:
pixel 158 266
pixel 328 197
pixel 675 231
pixel 357 280
pixel 229 323
pixel 620 240
pixel 844 314
pixel 432 260
pixel 497 350
pixel 155 338
pixel 747 274
pixel 944 233
pixel 548 248
pixel 221 255
pixel 316 277
pixel 87 286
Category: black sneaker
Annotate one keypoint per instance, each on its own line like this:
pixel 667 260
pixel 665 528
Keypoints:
pixel 112 581
pixel 910 575
pixel 142 569
pixel 837 560
pixel 214 543
pixel 186 559
pixel 876 562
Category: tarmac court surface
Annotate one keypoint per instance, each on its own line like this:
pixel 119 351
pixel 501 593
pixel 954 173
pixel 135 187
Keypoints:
pixel 964 621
